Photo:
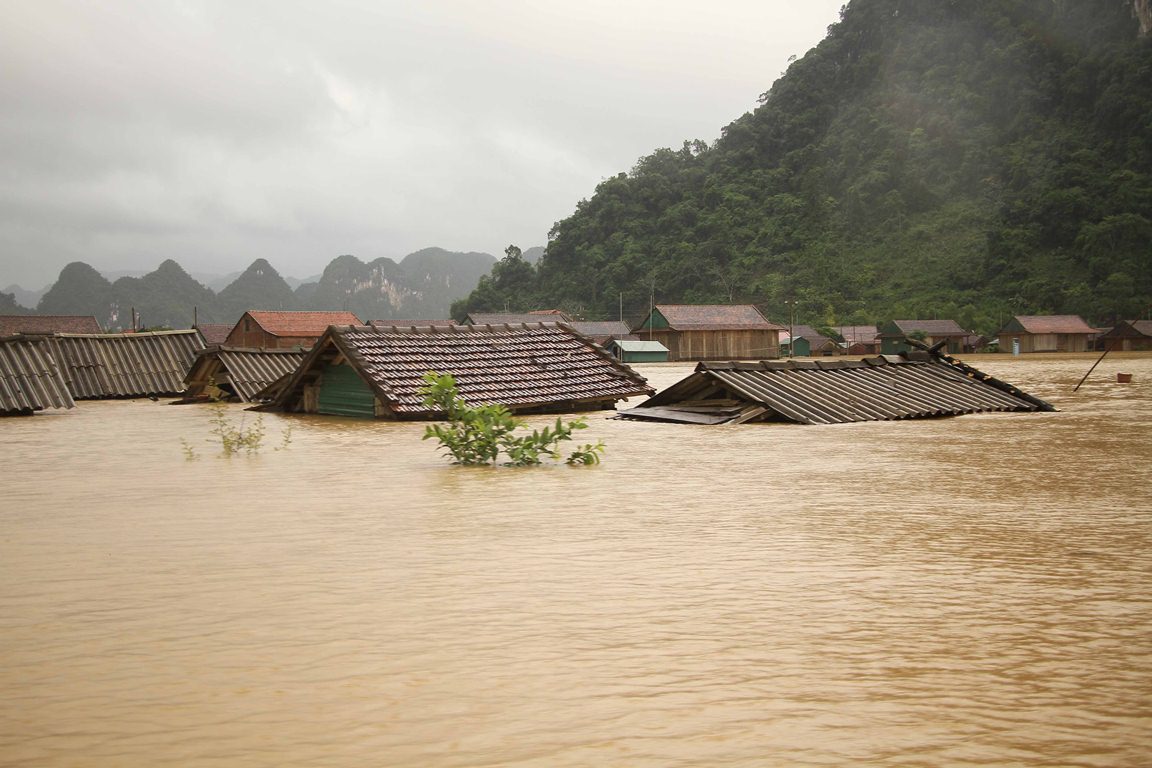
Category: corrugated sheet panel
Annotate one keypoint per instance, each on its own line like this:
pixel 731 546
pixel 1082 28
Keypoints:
pixel 29 377
pixel 126 365
pixel 344 393
pixel 251 370
pixel 833 392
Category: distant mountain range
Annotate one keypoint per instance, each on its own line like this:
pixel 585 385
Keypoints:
pixel 422 286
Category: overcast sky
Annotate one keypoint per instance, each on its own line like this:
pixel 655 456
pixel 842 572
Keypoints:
pixel 216 133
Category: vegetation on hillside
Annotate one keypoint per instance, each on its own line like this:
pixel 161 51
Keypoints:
pixel 929 159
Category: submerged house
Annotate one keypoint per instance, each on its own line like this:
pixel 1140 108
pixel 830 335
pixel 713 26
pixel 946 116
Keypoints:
pixel 602 331
pixel 894 335
pixel 806 341
pixel 637 351
pixel 1046 333
pixel 517 318
pixel 711 332
pixel 1129 336
pixel 919 384
pixel 100 366
pixel 228 373
pixel 861 340
pixel 378 371
pixel 260 329
pixel 29 377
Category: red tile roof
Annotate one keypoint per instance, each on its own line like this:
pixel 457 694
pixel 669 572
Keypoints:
pixel 11 324
pixel 214 333
pixel 715 317
pixel 300 323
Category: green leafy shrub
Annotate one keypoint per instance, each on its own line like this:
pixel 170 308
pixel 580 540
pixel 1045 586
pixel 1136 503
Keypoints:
pixel 480 434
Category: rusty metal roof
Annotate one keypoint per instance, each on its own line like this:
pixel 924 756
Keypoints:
pixel 526 367
pixel 45 324
pixel 29 378
pixel 1048 324
pixel 715 317
pixel 300 323
pixel 917 385
pixel 246 371
pixel 126 364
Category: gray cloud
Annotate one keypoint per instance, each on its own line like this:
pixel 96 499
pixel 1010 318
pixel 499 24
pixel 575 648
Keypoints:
pixel 217 132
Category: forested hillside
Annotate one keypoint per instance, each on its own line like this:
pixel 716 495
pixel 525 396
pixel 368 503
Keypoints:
pixel 966 159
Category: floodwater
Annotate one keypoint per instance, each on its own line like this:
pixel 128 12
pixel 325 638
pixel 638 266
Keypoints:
pixel 960 592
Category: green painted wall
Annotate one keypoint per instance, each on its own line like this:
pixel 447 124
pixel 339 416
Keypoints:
pixel 344 393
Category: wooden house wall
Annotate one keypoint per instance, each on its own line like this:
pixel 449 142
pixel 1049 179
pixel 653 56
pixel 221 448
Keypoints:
pixel 258 338
pixel 717 345
pixel 1045 342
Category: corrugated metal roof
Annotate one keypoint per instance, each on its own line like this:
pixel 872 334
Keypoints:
pixel 715 317
pixel 601 330
pixel 927 327
pixel 531 366
pixel 126 364
pixel 29 377
pixel 300 323
pixel 637 345
pixel 833 392
pixel 1049 324
pixel 246 371
pixel 45 324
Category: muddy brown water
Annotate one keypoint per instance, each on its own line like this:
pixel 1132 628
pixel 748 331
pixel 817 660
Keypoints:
pixel 959 592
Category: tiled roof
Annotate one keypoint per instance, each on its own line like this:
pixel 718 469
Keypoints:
pixel 715 317
pixel 301 323
pixel 408 323
pixel 528 367
pixel 809 333
pixel 11 324
pixel 214 333
pixel 29 378
pixel 600 329
pixel 930 327
pixel 1130 329
pixel 854 334
pixel 1053 324
pixel 874 389
pixel 500 318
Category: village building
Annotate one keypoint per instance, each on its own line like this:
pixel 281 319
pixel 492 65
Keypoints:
pixel 893 334
pixel 602 331
pixel 516 318
pixel 1046 333
pixel 711 332
pixel 859 340
pixel 378 372
pixel 806 341
pixel 214 334
pixel 1128 336
pixel 227 373
pixel 261 329
pixel 637 350
pixel 918 384
pixel 48 324
pixel 30 380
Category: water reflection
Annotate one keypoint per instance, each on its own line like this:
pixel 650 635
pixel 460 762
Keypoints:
pixel 968 591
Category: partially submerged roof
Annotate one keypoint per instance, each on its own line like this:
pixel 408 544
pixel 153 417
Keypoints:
pixel 244 372
pixel 214 333
pixel 915 385
pixel 934 328
pixel 126 364
pixel 1130 329
pixel 29 378
pixel 529 367
pixel 711 317
pixel 638 345
pixel 311 324
pixel 501 318
pixel 1047 324
pixel 45 324
pixel 601 331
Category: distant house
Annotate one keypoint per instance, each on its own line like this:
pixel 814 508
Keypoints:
pixel 711 332
pixel 214 333
pixel 601 331
pixel 504 318
pixel 1129 336
pixel 409 323
pixel 637 351
pixel 931 332
pixel 377 372
pixel 48 324
pixel 1046 333
pixel 859 339
pixel 30 380
pixel 259 329
pixel 228 373
pixel 806 341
